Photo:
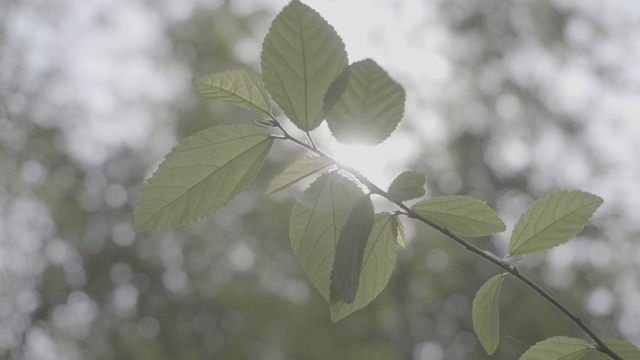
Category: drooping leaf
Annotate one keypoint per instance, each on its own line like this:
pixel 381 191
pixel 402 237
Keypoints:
pixel 364 105
pixel 557 348
pixel 486 317
pixel 316 223
pixel 462 215
pixel 398 231
pixel 301 56
pixel 552 220
pixel 407 185
pixel 377 266
pixel 201 175
pixel 238 87
pixel 347 263
pixel 625 350
pixel 297 171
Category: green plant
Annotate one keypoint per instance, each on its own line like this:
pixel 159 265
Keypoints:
pixel 345 247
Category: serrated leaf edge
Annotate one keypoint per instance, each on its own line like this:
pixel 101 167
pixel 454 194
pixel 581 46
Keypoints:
pixel 499 224
pixel 495 281
pixel 246 103
pixel 290 168
pixel 398 177
pixel 142 227
pixel 555 339
pixel 530 208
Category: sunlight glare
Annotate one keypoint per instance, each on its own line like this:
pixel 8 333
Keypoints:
pixel 380 163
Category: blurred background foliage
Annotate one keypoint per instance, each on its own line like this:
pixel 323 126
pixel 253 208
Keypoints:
pixel 507 100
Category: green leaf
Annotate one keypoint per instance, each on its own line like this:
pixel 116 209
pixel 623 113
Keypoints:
pixel 316 223
pixel 297 171
pixel 377 266
pixel 407 185
pixel 557 348
pixel 364 105
pixel 201 175
pixel 352 241
pixel 552 220
pixel 462 215
pixel 301 56
pixel 238 87
pixel 398 231
pixel 624 349
pixel 486 317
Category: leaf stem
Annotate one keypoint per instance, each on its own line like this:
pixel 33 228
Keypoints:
pixel 374 189
pixel 312 147
pixel 313 144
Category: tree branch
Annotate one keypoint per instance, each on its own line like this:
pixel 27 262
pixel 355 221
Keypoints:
pixel 512 270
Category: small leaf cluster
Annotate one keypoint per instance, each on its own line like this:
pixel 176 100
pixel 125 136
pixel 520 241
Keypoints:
pixel 345 247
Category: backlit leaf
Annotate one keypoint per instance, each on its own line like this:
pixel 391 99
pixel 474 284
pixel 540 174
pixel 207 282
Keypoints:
pixel 238 87
pixel 407 185
pixel 377 266
pixel 557 348
pixel 552 220
pixel 297 171
pixel 301 56
pixel 624 349
pixel 486 317
pixel 398 231
pixel 462 215
pixel 347 263
pixel 201 175
pixel 364 105
pixel 316 223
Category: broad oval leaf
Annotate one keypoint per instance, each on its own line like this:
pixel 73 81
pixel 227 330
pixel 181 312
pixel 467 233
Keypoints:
pixel 364 105
pixel 316 222
pixel 347 262
pixel 407 185
pixel 238 87
pixel 625 350
pixel 485 314
pixel 301 56
pixel 201 175
pixel 297 171
pixel 552 220
pixel 377 266
pixel 462 215
pixel 557 348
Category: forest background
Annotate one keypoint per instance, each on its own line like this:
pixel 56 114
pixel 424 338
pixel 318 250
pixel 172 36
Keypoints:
pixel 506 101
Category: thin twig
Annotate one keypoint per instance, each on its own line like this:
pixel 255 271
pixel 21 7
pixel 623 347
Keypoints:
pixel 313 144
pixel 374 189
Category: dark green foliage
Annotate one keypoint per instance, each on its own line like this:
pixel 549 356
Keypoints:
pixel 352 241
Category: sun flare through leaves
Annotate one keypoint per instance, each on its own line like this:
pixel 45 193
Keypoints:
pixel 346 248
